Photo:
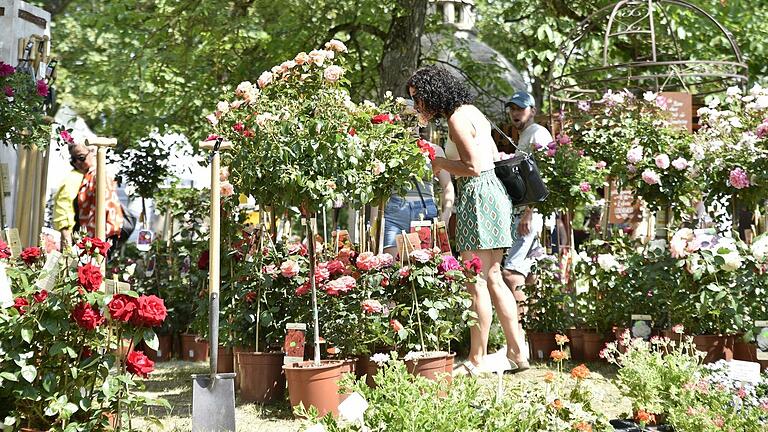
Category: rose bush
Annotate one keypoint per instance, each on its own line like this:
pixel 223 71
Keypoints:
pixel 22 119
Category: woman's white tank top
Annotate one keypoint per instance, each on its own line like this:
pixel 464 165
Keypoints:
pixel 483 138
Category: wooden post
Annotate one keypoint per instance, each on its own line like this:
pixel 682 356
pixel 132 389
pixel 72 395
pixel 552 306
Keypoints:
pixel 102 144
pixel 213 249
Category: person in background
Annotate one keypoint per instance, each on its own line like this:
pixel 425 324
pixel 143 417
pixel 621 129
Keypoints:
pixel 63 202
pixel 521 109
pixel 84 161
pixel 417 204
pixel 483 210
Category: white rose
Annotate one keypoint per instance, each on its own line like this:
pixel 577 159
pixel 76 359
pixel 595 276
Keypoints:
pixel 649 96
pixel 607 262
pixel 732 261
pixel 222 107
pixel 761 102
pixel 264 79
pixel 733 91
pixel 760 248
pixel 333 73
pixel 243 88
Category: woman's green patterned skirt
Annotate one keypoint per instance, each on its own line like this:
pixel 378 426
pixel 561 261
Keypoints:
pixel 483 213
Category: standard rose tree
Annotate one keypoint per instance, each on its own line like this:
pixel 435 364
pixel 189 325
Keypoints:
pixel 59 345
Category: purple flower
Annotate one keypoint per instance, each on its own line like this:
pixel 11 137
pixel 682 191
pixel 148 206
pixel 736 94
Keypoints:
pixel 564 139
pixel 738 178
pixel 42 88
pixel 8 90
pixel 6 69
pixel 585 187
pixel 551 152
pixel 552 145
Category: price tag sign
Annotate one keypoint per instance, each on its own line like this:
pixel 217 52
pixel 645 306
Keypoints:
pixel 744 371
pixel 6 295
pixel 112 287
pixel 294 342
pixel 50 271
pixel 14 242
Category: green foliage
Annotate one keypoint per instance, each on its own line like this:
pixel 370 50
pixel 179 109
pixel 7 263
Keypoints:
pixel 21 109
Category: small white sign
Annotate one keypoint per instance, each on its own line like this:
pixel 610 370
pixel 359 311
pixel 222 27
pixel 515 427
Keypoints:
pixel 50 271
pixel 353 408
pixel 14 242
pixel 744 371
pixel 6 295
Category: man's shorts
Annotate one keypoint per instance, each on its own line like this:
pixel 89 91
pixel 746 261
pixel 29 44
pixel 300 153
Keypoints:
pixel 517 258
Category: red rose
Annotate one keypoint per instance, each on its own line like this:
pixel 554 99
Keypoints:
pixel 395 324
pixel 122 307
pixel 474 265
pixel 426 149
pixel 248 133
pixel 251 297
pixel 352 132
pixel 85 352
pixel 30 255
pixel 90 245
pixel 150 312
pixel 202 262
pixel 139 364
pixel 40 296
pixel 383 118
pixel 238 127
pixel 86 316
pixel 89 276
pixel 5 251
pixel 384 282
pixel 336 267
pixel 19 303
pixel 303 289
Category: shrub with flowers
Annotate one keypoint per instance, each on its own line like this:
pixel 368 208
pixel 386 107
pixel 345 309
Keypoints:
pixel 733 145
pixel 301 141
pixel 60 367
pixel 21 109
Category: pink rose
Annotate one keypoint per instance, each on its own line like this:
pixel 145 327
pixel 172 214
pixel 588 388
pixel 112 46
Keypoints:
pixel 42 88
pixel 341 285
pixel 738 178
pixel 564 139
pixel 336 267
pixel 244 88
pixel 680 164
pixel 301 58
pixel 287 65
pixel 762 129
pixel 421 256
pixel 372 306
pixel 585 187
pixel 212 119
pixel 378 168
pixel 289 269
pixel 224 174
pixel 317 57
pixel 386 260
pixel 322 273
pixel 264 79
pixel 404 272
pixel 678 329
pixel 227 189
pixel 8 90
pixel 601 165
pixel 449 263
pixel 635 155
pixel 297 249
pixel 6 69
pixel 367 261
pixel 551 152
pixel 474 265
pixel 651 177
pixel 662 161
pixel 336 45
pixel 333 73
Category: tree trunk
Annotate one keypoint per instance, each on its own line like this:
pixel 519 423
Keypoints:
pixel 402 46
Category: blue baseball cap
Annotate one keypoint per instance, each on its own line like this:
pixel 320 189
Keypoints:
pixel 522 99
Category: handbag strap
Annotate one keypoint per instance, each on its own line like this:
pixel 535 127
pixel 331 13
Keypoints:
pixel 421 196
pixel 510 140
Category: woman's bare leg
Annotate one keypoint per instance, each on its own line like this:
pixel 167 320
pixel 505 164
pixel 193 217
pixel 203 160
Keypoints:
pixel 482 306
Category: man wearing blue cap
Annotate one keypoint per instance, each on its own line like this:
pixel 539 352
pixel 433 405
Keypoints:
pixel 521 109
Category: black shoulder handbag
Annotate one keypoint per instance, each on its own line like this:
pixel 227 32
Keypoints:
pixel 520 176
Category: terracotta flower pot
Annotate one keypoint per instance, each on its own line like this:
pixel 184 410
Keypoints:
pixel 349 365
pixel 235 351
pixel 164 349
pixel 541 345
pixel 316 386
pixel 449 366
pixel 193 348
pixel 712 345
pixel 226 361
pixel 367 368
pixel 577 344
pixel 261 376
pixel 593 344
pixel 431 366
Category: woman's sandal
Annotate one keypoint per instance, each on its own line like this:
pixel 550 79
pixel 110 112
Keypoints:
pixel 518 367
pixel 471 369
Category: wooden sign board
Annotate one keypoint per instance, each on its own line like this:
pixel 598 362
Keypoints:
pixel 681 106
pixel 13 240
pixel 625 208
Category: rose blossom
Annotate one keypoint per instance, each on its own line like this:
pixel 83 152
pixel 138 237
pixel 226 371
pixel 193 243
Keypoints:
pixel 122 307
pixel 378 168
pixel 651 177
pixel 31 255
pixel 336 267
pixel 20 303
pixel 395 324
pixel 449 263
pixel 551 152
pixel 386 260
pixel 420 256
pixel 303 289
pixel 289 269
pixel 91 245
pixel 680 164
pixel 150 311
pixel 601 165
pixel 244 88
pixel 340 285
pixel 585 187
pixel 564 139
pixel 336 45
pixel 383 118
pixel 297 249
pixel 317 56
pixel 662 161
pixel 5 251
pixel 372 306
pixel 367 261
pixel 8 90
pixel 222 107
pixel 6 69
pixel 474 265
pixel 40 296
pixel 333 73
pixel 227 189
pixel 139 364
pixel 322 273
pixel 89 277
pixel 738 178
pixel 678 329
pixel 86 316
pixel 264 79
pixel 404 272
pixel 635 155
pixel 42 88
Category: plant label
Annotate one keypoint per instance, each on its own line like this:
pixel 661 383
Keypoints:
pixel 744 371
pixel 353 408
pixel 761 339
pixel 14 242
pixel 6 295
pixel 442 238
pixel 641 326
pixel 294 342
pixel 115 287
pixel 50 271
pixel 144 241
pixel 424 230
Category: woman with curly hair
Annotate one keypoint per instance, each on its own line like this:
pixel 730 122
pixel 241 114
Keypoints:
pixel 484 211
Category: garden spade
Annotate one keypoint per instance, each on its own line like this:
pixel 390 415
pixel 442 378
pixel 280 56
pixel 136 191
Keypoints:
pixel 213 394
